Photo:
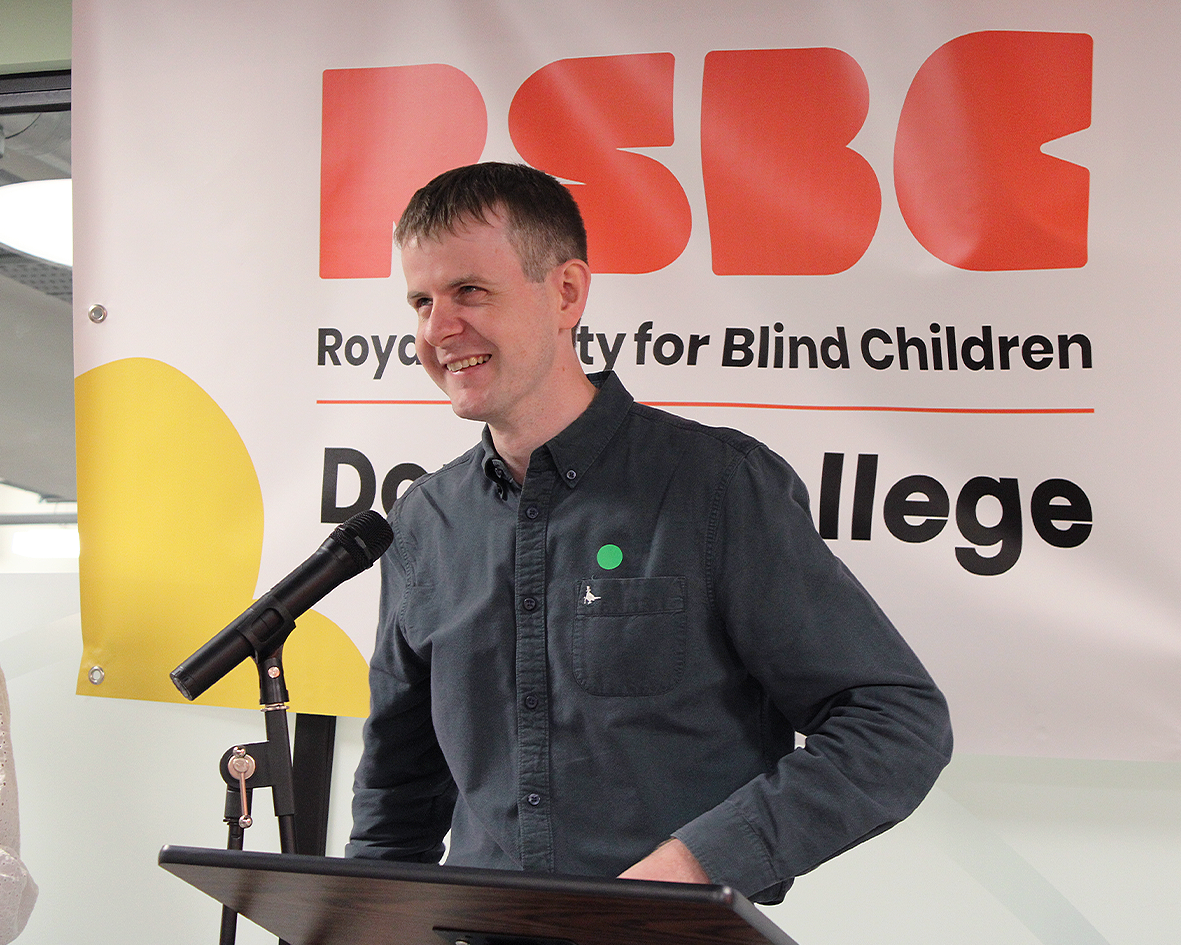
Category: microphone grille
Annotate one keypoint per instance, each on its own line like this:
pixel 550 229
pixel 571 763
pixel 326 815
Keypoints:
pixel 365 536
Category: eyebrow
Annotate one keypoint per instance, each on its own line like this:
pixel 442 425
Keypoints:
pixel 469 279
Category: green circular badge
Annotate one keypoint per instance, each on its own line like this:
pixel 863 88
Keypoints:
pixel 610 557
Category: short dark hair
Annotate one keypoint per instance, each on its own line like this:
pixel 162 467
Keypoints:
pixel 545 225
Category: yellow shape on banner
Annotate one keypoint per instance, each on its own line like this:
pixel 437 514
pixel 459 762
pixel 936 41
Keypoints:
pixel 171 523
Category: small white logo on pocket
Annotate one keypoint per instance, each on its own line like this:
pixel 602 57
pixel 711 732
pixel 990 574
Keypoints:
pixel 590 597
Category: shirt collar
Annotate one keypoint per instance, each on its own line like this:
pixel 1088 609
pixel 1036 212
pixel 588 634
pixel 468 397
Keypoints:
pixel 494 467
pixel 576 448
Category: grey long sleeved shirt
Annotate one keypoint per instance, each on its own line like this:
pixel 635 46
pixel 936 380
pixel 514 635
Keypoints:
pixel 622 649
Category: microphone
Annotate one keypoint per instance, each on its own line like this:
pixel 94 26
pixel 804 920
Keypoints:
pixel 263 627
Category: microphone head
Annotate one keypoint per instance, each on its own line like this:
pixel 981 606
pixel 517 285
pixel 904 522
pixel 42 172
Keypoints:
pixel 365 536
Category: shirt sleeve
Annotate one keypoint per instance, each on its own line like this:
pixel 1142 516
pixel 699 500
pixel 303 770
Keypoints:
pixel 403 792
pixel 877 728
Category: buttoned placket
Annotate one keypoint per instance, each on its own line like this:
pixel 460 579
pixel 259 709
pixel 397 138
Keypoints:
pixel 534 802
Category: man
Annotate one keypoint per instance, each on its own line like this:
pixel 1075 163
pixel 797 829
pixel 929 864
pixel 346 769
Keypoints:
pixel 602 627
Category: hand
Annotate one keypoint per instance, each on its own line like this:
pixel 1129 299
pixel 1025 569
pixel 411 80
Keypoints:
pixel 671 862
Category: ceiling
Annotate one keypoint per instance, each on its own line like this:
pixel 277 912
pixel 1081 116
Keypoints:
pixel 36 333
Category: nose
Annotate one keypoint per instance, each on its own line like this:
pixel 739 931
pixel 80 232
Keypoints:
pixel 442 324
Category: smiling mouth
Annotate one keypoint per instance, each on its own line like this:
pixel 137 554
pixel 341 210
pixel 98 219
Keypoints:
pixel 456 366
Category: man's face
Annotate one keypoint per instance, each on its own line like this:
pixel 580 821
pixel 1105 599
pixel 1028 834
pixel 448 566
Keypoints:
pixel 486 335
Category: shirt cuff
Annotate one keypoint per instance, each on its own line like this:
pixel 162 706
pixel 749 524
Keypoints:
pixel 732 854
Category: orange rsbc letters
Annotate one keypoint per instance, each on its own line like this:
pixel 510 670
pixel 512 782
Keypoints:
pixel 784 192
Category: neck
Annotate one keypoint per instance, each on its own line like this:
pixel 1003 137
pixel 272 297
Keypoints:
pixel 516 442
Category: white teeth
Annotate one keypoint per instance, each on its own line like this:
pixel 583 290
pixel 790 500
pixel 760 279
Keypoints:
pixel 455 366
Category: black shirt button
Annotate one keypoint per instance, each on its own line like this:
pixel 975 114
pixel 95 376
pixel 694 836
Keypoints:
pixel 534 799
pixel 571 474
pixel 531 701
pixel 532 512
pixel 529 603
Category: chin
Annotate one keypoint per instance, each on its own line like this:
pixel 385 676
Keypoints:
pixel 465 409
pixel 464 414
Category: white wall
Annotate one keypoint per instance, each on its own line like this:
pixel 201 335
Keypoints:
pixel 1006 851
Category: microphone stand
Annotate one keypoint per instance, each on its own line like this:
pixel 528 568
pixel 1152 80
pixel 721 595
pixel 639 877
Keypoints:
pixel 258 765
pixel 259 633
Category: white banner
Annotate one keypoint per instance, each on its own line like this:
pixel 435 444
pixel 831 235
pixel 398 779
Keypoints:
pixel 925 252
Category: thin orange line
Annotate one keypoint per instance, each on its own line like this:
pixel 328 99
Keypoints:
pixel 427 403
pixel 866 409
pixel 862 409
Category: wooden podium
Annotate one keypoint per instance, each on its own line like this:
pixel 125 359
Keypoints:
pixel 312 900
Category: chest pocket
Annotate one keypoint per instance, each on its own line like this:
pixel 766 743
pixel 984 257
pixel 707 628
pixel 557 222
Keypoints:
pixel 629 635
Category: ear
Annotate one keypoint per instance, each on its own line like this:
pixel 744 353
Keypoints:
pixel 572 281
